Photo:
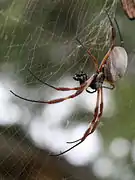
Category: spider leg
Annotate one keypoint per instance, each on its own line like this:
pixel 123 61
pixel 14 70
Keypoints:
pixel 93 121
pixel 53 87
pixel 113 38
pixel 70 142
pixel 89 53
pixel 89 130
pixel 51 101
pixel 99 115
pixel 96 118
pixel 86 133
pixel 93 124
pixel 78 92
pixel 61 153
pixel 120 36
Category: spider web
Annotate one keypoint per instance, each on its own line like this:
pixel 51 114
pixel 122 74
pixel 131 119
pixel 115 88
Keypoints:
pixel 41 36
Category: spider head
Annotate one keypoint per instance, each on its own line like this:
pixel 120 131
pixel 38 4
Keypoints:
pixel 81 77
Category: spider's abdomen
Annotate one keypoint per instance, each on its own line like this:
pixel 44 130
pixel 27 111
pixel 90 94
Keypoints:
pixel 116 65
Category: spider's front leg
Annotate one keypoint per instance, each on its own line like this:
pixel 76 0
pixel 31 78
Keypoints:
pixel 56 88
pixel 53 101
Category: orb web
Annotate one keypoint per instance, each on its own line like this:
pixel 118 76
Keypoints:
pixel 41 36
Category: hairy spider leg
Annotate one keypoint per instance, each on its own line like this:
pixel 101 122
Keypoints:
pixel 92 127
pixel 56 88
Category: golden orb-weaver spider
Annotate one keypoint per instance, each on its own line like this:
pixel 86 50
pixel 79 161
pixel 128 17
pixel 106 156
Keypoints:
pixel 111 68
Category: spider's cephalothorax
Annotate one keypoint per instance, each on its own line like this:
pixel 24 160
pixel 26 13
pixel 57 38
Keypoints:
pixel 97 82
pixel 81 77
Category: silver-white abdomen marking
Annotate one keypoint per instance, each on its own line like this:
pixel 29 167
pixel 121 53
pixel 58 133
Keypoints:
pixel 116 64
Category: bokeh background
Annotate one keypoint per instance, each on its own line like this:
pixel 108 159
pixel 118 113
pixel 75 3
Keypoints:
pixel 40 36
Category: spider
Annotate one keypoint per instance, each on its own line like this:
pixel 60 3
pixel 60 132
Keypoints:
pixel 112 67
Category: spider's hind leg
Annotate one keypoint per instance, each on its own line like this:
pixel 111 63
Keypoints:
pixel 95 120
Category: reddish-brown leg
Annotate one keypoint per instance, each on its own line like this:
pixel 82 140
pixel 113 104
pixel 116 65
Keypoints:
pixel 95 61
pixel 89 130
pixel 113 38
pixel 97 115
pixel 51 101
pixel 85 86
pixel 92 124
pixel 95 124
pixel 56 88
